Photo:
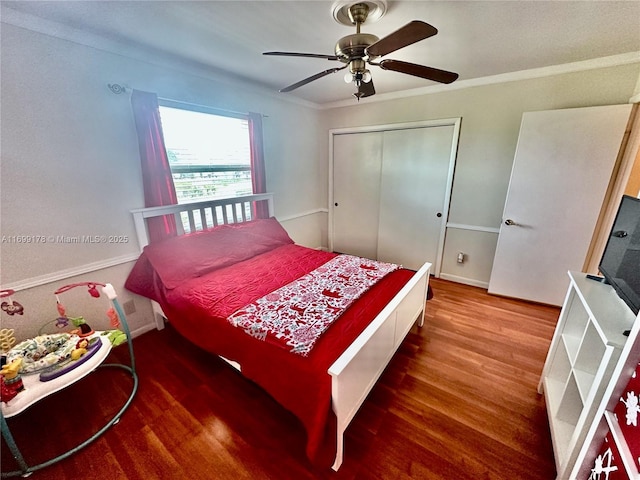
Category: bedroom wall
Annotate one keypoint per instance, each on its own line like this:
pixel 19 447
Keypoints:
pixel 70 166
pixel 69 159
pixel 491 116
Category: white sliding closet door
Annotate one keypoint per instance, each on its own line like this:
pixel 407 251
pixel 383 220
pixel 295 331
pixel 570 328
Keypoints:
pixel 390 191
pixel 357 162
pixel 413 193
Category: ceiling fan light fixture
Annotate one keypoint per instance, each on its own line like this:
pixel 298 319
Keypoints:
pixel 341 10
pixel 358 78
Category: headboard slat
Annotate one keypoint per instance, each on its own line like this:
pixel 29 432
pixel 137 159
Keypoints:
pixel 203 219
pixel 214 215
pixel 235 212
pixel 185 218
pixel 192 221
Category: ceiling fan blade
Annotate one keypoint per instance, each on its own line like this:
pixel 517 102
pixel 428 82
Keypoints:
pixel 412 32
pixel 365 90
pixel 311 79
pixel 296 54
pixel 421 71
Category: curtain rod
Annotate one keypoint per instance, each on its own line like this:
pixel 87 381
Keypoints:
pixel 118 89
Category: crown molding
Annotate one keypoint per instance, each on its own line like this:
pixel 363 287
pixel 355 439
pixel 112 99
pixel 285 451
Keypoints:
pixel 592 64
pixel 144 54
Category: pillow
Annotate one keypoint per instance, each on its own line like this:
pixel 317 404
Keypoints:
pixel 182 258
pixel 266 230
pixel 142 278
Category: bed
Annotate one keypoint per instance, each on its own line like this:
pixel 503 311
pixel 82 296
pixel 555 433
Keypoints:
pixel 231 264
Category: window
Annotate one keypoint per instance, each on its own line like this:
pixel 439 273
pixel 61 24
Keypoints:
pixel 209 154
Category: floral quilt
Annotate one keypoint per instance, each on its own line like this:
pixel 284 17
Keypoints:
pixel 295 315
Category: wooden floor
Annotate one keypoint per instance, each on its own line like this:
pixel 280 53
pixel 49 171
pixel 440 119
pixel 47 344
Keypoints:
pixel 458 401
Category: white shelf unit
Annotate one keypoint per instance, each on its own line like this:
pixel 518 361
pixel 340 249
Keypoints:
pixel 583 354
pixel 606 424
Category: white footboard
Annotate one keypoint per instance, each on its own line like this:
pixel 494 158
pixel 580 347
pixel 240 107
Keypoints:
pixel 356 371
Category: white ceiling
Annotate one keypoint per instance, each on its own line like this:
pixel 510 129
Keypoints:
pixel 476 38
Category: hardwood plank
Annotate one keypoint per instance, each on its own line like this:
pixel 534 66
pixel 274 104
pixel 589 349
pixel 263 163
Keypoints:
pixel 458 401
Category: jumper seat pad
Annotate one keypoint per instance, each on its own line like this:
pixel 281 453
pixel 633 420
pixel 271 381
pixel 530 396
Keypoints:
pixel 294 316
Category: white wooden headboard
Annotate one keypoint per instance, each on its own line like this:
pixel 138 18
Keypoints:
pixel 194 216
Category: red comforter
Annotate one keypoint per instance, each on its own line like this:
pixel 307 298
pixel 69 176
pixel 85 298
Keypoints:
pixel 198 307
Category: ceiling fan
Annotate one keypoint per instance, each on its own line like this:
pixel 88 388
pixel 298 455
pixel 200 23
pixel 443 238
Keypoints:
pixel 359 49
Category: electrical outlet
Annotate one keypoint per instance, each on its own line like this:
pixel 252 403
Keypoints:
pixel 460 257
pixel 129 307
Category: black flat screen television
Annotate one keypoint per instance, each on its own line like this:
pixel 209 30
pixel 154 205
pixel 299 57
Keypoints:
pixel 620 262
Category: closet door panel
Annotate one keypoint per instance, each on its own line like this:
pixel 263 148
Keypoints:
pixel 357 161
pixel 413 188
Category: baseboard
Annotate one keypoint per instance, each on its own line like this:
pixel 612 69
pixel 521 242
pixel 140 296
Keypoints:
pixel 144 329
pixel 464 280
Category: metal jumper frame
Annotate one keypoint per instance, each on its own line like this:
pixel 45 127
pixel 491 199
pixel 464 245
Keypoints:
pixel 26 469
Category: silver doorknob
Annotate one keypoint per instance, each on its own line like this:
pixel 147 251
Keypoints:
pixel 508 221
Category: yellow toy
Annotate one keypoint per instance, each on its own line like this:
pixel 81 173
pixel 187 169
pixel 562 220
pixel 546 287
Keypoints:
pixel 10 380
pixel 10 370
pixel 81 349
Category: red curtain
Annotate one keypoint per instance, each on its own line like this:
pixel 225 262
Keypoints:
pixel 156 173
pixel 258 175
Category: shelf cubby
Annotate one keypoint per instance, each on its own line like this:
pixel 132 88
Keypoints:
pixel 570 406
pixel 560 368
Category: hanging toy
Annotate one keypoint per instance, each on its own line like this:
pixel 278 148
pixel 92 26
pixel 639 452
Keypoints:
pixel 83 329
pixel 62 321
pixel 93 291
pixel 7 340
pixel 11 307
pixel 114 320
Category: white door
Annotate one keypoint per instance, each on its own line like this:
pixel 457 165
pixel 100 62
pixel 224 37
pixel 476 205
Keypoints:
pixel 413 195
pixel 562 167
pixel 357 162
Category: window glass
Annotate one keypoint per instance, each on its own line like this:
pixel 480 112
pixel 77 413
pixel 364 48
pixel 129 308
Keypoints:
pixel 209 154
